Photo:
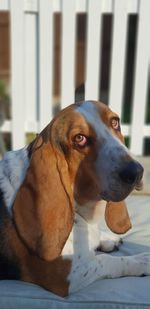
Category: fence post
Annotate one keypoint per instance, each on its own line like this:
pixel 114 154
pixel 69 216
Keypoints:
pixel 141 79
pixel 93 49
pixel 45 62
pixel 118 55
pixel 17 73
pixel 68 52
pixel 31 70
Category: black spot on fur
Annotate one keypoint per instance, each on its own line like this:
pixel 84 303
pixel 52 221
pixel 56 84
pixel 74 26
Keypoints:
pixel 63 148
pixel 8 269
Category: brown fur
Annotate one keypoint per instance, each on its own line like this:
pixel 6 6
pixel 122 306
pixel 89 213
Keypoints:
pixel 117 218
pixel 51 275
pixel 44 198
pixel 41 203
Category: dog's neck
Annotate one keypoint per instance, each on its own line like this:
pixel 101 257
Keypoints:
pixel 91 211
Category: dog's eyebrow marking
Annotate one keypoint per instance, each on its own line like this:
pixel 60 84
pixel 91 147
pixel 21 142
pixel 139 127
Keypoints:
pixel 93 117
pixel 90 113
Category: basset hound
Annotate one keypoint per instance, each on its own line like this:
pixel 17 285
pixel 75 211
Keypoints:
pixel 50 194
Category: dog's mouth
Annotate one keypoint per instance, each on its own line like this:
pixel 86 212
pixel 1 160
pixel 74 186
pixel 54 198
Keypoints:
pixel 117 194
pixel 139 185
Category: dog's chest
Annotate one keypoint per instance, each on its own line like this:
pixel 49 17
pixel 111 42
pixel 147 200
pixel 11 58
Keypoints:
pixel 80 250
pixel 83 240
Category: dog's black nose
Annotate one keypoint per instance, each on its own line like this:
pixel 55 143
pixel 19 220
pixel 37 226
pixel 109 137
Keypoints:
pixel 132 172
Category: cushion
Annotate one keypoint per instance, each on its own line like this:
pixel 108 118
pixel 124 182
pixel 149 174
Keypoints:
pixel 120 293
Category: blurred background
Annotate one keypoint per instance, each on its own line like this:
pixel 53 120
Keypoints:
pixel 55 52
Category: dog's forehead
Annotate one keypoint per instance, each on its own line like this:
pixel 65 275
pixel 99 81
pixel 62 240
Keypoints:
pixel 95 113
pixel 92 108
pixel 84 116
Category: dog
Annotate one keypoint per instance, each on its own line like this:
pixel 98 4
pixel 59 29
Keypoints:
pixel 50 194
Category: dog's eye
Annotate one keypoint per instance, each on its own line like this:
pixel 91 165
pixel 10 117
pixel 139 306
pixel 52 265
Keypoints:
pixel 115 123
pixel 80 140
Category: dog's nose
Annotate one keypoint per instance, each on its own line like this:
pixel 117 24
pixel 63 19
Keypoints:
pixel 132 173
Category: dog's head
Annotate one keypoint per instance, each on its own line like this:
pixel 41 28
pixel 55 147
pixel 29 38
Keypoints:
pixel 100 166
pixel 79 156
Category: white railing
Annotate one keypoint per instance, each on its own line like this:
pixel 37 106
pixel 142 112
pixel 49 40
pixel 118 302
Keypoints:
pixel 32 61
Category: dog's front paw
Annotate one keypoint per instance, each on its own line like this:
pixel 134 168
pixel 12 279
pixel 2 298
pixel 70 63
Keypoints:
pixel 143 259
pixel 109 242
pixel 136 265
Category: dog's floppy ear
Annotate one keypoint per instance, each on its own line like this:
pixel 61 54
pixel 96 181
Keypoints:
pixel 117 218
pixel 43 208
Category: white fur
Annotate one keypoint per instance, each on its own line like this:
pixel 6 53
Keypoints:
pixel 89 266
pixel 103 266
pixel 13 169
pixel 86 231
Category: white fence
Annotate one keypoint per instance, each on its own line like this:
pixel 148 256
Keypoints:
pixel 32 67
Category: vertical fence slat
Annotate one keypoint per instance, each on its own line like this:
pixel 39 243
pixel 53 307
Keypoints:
pixel 31 5
pixel 57 6
pixel 93 50
pixel 17 76
pixel 30 70
pixel 118 55
pixel 4 5
pixel 68 52
pixel 45 62
pixel 141 78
